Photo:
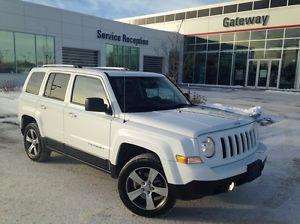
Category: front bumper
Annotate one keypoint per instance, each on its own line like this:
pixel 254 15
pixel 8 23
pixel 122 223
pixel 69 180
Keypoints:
pixel 199 189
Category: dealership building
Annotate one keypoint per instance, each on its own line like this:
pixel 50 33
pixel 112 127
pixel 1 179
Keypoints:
pixel 33 35
pixel 252 44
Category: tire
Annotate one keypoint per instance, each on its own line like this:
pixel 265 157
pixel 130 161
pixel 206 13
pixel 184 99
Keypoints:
pixel 34 144
pixel 143 195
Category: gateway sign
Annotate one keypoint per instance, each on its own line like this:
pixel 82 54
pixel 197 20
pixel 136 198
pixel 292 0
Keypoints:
pixel 238 21
pixel 124 38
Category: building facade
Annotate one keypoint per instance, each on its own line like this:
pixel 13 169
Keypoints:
pixel 32 35
pixel 242 43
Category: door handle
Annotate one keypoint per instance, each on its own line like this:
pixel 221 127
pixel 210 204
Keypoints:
pixel 43 107
pixel 72 115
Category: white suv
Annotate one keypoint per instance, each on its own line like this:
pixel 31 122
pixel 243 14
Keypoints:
pixel 140 128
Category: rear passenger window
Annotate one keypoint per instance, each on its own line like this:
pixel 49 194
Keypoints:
pixel 56 86
pixel 85 87
pixel 35 82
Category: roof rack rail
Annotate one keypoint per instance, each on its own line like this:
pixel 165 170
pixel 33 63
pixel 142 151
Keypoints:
pixel 109 68
pixel 61 65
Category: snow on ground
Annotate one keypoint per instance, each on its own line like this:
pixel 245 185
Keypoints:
pixel 273 198
pixel 9 106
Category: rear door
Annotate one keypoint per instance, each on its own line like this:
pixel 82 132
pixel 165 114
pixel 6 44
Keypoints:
pixel 51 107
pixel 87 131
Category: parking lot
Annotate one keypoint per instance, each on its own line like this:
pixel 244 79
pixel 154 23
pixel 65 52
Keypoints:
pixel 66 191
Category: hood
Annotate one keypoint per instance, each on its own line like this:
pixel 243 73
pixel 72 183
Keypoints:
pixel 192 121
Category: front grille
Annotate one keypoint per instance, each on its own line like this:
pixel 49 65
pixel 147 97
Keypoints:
pixel 239 143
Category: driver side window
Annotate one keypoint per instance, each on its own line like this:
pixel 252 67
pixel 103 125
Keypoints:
pixel 86 87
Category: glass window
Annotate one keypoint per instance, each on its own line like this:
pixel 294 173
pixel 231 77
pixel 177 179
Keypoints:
pixel 56 86
pixel 239 71
pixel 291 43
pixel 216 11
pixel 212 68
pixel 86 87
pixel 227 46
pixel 160 19
pixel 7 53
pixel 278 3
pixel 294 2
pixel 25 52
pixel 263 4
pixel 189 40
pixel 273 34
pixel 201 39
pixel 201 47
pixel 35 82
pixel 288 69
pixel 140 21
pixel 256 54
pixel 227 37
pixel 225 68
pixel 203 12
pixel 258 35
pixel 122 56
pixel 243 45
pixel 257 44
pixel 200 68
pixel 245 6
pixel 188 68
pixel 230 8
pixel 292 32
pixel 213 47
pixel 274 44
pixel 169 17
pixel 44 50
pixel 273 54
pixel 242 36
pixel 191 14
pixel 213 38
pixel 150 20
pixel 189 47
pixel 180 16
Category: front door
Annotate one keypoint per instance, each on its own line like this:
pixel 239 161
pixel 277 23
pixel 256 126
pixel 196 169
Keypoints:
pixel 87 133
pixel 263 73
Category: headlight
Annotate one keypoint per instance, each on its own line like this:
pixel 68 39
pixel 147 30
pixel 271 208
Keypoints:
pixel 207 147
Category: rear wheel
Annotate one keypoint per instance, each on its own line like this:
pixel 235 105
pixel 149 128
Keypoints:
pixel 34 144
pixel 143 187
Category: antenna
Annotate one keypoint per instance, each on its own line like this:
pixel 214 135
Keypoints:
pixel 124 98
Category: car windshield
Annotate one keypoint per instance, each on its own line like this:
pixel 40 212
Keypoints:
pixel 144 94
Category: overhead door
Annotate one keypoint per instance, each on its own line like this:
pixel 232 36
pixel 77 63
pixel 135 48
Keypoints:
pixel 82 57
pixel 153 64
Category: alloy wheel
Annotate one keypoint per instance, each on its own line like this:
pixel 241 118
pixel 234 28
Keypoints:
pixel 32 143
pixel 147 188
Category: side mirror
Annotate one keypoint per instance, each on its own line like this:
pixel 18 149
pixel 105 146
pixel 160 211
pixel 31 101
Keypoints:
pixel 96 105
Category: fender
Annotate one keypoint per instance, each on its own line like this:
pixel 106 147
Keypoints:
pixel 165 147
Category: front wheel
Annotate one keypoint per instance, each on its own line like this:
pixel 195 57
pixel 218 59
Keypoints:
pixel 143 187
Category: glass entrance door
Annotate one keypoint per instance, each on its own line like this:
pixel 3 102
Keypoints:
pixel 263 73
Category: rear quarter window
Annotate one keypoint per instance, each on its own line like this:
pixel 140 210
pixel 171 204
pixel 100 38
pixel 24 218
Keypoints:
pixel 56 86
pixel 35 82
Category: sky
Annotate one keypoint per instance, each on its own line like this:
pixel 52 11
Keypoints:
pixel 116 9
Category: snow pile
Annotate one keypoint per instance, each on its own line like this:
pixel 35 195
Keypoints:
pixel 252 112
pixel 9 107
pixel 255 112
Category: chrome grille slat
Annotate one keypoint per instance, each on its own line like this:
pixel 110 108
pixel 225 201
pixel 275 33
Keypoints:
pixel 238 144
pixel 227 146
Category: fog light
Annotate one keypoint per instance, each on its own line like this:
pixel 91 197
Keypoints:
pixel 231 186
pixel 188 160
